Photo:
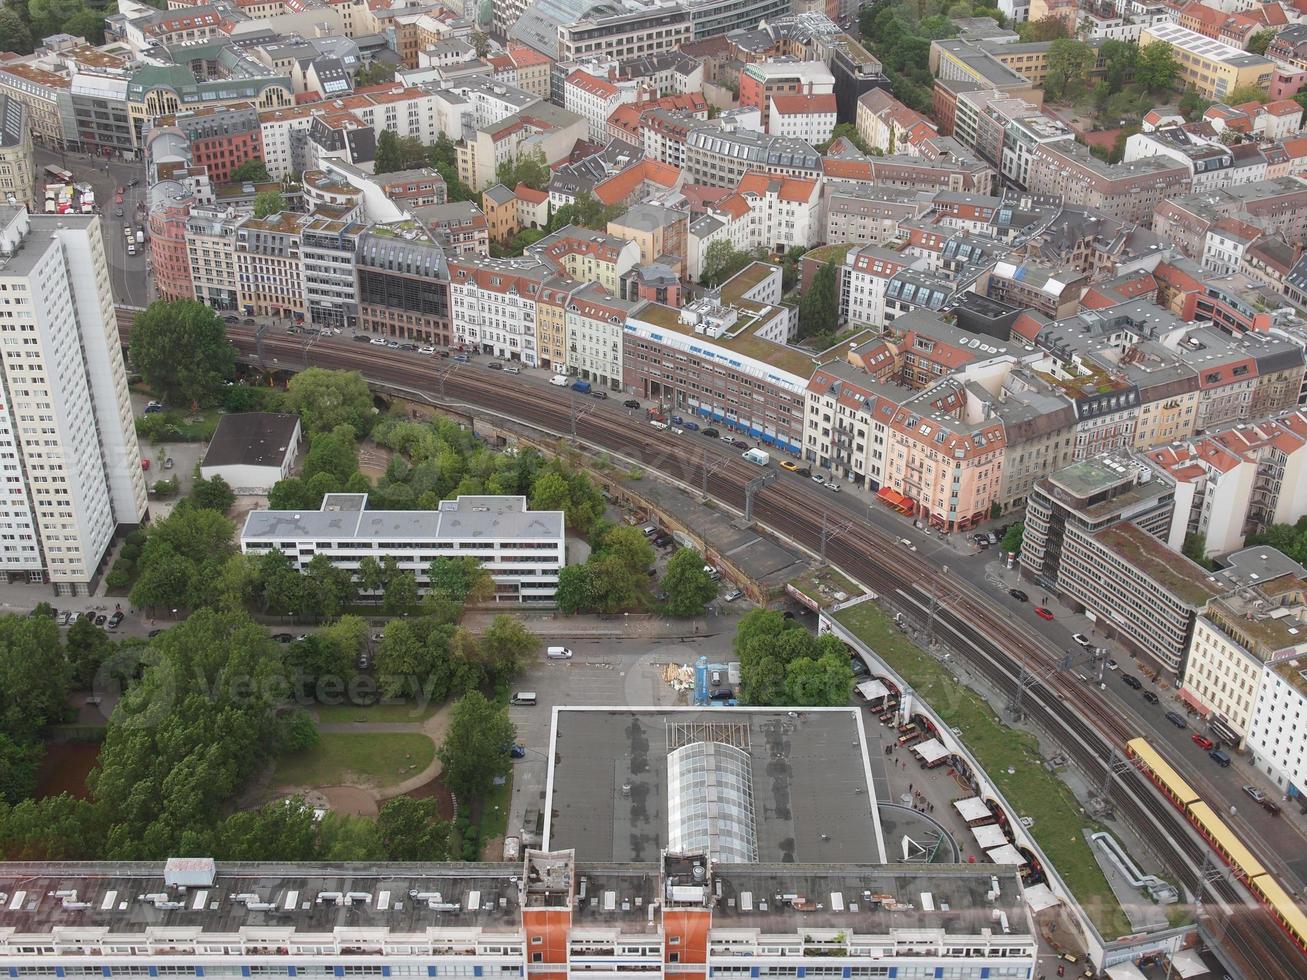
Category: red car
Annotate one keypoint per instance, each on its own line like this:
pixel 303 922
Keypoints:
pixel 1202 741
pixel 1043 613
pixel 121 190
pixel 118 199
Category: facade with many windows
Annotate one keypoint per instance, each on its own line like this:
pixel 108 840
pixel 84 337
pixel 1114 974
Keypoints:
pixel 403 285
pixel 70 467
pixel 522 549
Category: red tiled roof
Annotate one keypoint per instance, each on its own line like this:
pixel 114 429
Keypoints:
pixel 794 105
pixel 530 194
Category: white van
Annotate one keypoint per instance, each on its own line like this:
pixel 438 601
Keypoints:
pixel 524 697
pixel 559 381
pixel 512 369
pixel 558 653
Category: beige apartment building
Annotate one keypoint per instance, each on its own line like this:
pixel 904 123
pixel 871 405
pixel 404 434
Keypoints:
pixel 17 170
pixel 211 251
pixel 269 268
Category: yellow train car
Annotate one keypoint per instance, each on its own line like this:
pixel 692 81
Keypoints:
pixel 1287 912
pixel 1224 842
pixel 1160 772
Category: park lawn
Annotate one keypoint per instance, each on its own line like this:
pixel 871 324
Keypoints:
pixel 369 759
pixel 391 713
pixel 1031 788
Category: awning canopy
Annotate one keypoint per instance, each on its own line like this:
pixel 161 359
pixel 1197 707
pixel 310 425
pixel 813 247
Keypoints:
pixel 1188 963
pixel 872 689
pixel 989 836
pixel 1126 971
pixel 931 750
pixel 891 497
pixel 972 808
pixel 1040 897
pixel 1007 854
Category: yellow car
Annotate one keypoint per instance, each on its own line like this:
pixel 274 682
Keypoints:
pixel 789 464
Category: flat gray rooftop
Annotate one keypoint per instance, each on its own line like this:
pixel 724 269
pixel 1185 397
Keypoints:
pixel 812 799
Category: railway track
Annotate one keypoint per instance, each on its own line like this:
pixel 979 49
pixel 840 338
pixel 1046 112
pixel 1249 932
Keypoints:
pixel 990 641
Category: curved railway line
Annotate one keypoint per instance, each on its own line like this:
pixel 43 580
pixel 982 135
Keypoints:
pixel 969 623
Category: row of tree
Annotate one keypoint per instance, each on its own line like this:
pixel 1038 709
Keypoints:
pixel 396 153
pixel 616 577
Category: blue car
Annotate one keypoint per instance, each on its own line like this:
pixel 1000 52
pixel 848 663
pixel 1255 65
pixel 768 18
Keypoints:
pixel 677 420
pixel 518 751
pixel 691 426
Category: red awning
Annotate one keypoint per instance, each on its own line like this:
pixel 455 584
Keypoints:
pixel 891 497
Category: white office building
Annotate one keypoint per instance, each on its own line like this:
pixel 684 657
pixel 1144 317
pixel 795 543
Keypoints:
pixel 68 450
pixel 1276 734
pixel 522 549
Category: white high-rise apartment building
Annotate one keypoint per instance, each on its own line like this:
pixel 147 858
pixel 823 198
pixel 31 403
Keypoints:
pixel 70 466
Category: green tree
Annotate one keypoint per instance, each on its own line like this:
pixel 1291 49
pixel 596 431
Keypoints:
pixel 213 494
pixel 49 16
pixel 505 646
pixel 720 262
pixel 374 73
pixel 347 838
pixel 325 399
pixel 1195 549
pixel 269 203
pixel 1193 105
pixel 1156 67
pixel 460 580
pixel 846 131
pixel 371 575
pixel 280 584
pixel 1119 62
pixel 1260 40
pixel 1012 538
pixel 481 44
pixel 411 830
pixel 401 595
pixel 529 168
pixel 1246 93
pixel 1044 29
pixel 387 159
pixel 34 676
pixel 782 663
pixel 334 453
pixel 689 588
pixel 19 762
pixel 475 749
pixel 329 588
pixel 630 546
pixel 827 680
pixel 1069 62
pixel 253 171
pixel 284 830
pixel 298 733
pixel 16 35
pixel 181 350
pixel 819 307
pixel 574 593
pixel 88 646
pixel 86 23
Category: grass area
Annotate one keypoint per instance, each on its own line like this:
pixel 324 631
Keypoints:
pixel 176 426
pixel 1032 789
pixel 363 759
pixel 494 812
pixel 341 713
pixel 820 585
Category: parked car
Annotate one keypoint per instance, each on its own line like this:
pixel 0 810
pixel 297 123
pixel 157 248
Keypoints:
pixel 818 478
pixel 805 472
pixel 1254 792
pixel 1271 807
pixel 630 403
pixel 283 637
pixel 1018 595
pixel 1202 741
pixel 688 426
pixel 1043 613
pixel 603 396
pixel 1177 719
pixel 858 666
pixel 789 464
pixel 1151 697
pixel 1130 680
pixel 907 544
pixel 559 381
pixel 153 633
pixel 663 540
pixel 426 350
pixel 739 444
pixel 518 751
pixel 167 463
pixel 495 366
pixel 833 487
pixel 1081 639
pixel 378 341
pixel 711 433
pixel 1111 664
pixel 101 619
pixel 732 595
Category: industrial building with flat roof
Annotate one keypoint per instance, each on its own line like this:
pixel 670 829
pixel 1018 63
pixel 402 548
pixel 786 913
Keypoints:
pixel 522 549
pixel 749 785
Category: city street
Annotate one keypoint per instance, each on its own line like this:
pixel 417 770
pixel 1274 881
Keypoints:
pixel 128 274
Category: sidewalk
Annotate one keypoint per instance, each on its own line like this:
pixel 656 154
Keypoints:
pixel 549 624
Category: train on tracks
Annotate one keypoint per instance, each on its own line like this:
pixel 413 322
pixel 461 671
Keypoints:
pixel 1222 839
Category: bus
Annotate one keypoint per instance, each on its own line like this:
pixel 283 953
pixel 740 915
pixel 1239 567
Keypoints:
pixel 59 174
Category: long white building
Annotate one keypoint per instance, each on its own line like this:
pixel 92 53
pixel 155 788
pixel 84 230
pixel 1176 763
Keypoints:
pixel 522 549
pixel 68 450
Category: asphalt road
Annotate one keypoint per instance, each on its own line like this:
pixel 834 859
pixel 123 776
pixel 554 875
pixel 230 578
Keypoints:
pixel 128 274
